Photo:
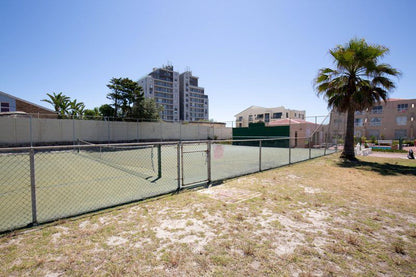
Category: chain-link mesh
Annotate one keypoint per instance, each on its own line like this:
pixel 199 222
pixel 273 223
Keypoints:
pixel 15 199
pixel 194 158
pixel 234 158
pixel 41 184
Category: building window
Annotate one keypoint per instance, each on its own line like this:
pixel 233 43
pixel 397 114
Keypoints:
pixel 240 118
pixel 402 107
pixel 373 133
pixel 267 117
pixel 287 115
pixel 358 122
pixel 401 120
pixel 401 133
pixel 377 109
pixel 277 115
pixel 259 117
pixel 359 112
pixel 375 121
pixel 5 107
pixel 250 118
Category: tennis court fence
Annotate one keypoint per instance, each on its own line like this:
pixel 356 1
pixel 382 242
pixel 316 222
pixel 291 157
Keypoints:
pixel 42 184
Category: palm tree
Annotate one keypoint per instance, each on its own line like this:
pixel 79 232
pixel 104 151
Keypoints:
pixel 357 83
pixel 59 101
pixel 77 109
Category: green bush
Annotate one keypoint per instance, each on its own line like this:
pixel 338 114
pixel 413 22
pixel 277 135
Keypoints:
pixel 389 150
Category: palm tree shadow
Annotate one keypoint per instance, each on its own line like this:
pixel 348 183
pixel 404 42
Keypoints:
pixel 385 169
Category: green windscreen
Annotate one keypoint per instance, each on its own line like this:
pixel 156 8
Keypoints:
pixel 259 131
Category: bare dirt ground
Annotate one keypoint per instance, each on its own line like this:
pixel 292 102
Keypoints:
pixel 323 217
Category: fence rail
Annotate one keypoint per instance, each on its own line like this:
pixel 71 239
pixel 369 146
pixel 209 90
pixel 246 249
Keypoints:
pixel 45 183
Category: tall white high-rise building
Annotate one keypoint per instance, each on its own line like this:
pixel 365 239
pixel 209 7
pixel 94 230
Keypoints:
pixel 180 95
pixel 192 98
pixel 162 84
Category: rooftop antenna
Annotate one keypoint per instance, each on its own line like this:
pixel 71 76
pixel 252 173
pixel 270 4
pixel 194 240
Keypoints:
pixel 169 65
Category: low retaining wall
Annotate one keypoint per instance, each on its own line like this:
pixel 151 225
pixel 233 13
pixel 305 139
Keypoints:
pixel 39 131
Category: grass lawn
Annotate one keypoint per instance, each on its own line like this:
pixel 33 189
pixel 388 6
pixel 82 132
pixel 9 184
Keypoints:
pixel 320 217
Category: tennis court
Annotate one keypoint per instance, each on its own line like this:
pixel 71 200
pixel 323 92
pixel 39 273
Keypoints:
pixel 47 183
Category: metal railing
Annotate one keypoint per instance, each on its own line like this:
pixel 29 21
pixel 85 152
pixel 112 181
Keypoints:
pixel 42 184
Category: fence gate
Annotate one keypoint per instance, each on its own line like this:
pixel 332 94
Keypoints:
pixel 196 163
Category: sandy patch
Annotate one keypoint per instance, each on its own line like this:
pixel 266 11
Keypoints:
pixel 310 189
pixel 230 195
pixel 189 231
pixel 115 241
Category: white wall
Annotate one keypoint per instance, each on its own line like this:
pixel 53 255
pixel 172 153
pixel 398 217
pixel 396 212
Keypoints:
pixel 16 131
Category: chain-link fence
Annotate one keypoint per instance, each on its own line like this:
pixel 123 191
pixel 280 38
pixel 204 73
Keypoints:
pixel 41 184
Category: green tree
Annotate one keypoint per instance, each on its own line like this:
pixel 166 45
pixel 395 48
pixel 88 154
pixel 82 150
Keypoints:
pixel 60 103
pixel 358 82
pixel 76 108
pixel 106 110
pixel 92 114
pixel 125 93
pixel 147 110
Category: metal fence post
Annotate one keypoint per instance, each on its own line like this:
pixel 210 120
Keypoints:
pixel 179 164
pixel 159 161
pixel 290 153
pixel 309 144
pixel 209 161
pixel 182 165
pixel 33 186
pixel 259 155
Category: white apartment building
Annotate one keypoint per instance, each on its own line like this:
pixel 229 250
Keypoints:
pixel 192 98
pixel 267 115
pixel 162 84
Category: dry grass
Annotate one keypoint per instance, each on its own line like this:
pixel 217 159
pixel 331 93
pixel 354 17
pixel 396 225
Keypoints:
pixel 322 217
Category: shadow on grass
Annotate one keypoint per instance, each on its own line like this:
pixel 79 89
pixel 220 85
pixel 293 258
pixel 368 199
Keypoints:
pixel 386 169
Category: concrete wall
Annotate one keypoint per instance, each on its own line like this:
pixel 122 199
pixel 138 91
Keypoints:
pixel 23 131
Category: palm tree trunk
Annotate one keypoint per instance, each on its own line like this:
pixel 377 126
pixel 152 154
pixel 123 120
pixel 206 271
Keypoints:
pixel 348 152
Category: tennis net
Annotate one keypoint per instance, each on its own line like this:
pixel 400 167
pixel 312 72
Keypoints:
pixel 140 160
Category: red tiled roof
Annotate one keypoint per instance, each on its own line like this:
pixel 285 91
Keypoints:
pixel 395 99
pixel 286 121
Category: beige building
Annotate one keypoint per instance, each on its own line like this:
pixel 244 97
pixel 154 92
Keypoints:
pixel 391 120
pixel 303 132
pixel 267 115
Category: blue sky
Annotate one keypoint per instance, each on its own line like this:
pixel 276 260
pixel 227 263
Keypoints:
pixel 263 53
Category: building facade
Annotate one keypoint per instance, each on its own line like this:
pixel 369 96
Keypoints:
pixel 192 98
pixel 10 104
pixel 179 95
pixel 162 84
pixel 392 119
pixel 267 115
pixel 304 133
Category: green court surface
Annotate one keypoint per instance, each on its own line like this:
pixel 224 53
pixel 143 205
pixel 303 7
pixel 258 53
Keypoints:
pixel 76 181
